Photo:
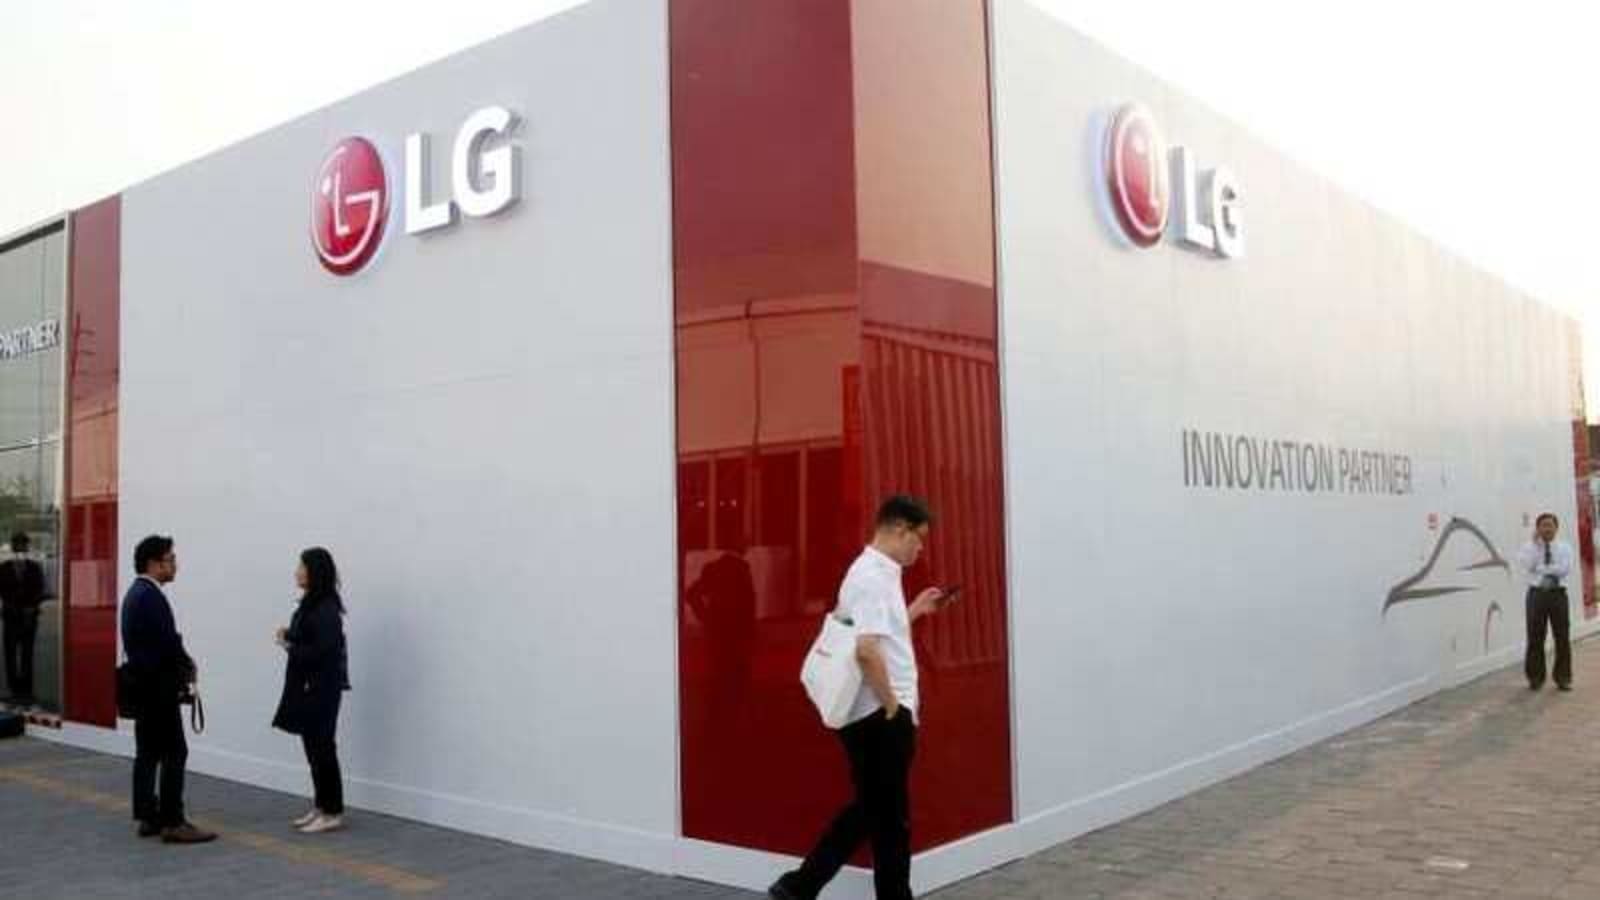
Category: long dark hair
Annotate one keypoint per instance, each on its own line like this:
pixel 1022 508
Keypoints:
pixel 322 577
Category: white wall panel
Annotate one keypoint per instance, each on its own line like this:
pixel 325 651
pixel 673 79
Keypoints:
pixel 1165 636
pixel 479 425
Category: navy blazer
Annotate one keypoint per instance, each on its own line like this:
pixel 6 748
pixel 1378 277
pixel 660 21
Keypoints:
pixel 150 638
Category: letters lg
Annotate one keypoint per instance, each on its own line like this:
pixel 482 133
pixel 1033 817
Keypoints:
pixel 485 172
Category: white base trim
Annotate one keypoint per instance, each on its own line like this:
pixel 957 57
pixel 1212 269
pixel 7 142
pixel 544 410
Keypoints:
pixel 755 870
pixel 576 837
pixel 88 737
pixel 562 834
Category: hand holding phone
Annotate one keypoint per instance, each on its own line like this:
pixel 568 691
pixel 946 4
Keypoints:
pixel 932 600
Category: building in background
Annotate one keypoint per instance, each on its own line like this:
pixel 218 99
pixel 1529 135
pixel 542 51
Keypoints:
pixel 590 349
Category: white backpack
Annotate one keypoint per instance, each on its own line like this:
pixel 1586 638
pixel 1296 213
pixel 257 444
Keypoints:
pixel 830 674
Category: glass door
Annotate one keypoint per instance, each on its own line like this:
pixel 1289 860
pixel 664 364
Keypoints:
pixel 32 295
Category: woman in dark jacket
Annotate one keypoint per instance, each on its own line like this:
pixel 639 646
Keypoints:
pixel 314 682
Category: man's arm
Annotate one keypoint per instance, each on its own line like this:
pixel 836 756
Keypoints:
pixel 930 601
pixel 868 601
pixel 1528 559
pixel 1532 560
pixel 36 585
pixel 166 637
pixel 876 672
pixel 1560 562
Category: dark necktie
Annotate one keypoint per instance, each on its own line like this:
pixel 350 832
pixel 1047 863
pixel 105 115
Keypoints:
pixel 1547 553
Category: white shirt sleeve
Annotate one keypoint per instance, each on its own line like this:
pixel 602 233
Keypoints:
pixel 870 607
pixel 1560 561
pixel 1529 559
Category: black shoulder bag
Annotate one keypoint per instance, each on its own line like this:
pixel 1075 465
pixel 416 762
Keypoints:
pixel 127 691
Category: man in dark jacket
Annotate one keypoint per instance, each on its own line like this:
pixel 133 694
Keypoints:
pixel 22 592
pixel 163 671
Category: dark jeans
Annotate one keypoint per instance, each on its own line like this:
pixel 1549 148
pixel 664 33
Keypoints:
pixel 1548 609
pixel 21 628
pixel 323 755
pixel 880 753
pixel 159 744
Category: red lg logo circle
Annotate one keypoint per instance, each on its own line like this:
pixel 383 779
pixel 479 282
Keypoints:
pixel 1136 175
pixel 349 206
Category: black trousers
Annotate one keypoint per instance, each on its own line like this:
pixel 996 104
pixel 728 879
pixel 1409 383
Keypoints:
pixel 1548 609
pixel 880 753
pixel 327 783
pixel 21 628
pixel 159 744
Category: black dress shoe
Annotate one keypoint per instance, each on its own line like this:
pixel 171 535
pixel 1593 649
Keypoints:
pixel 186 834
pixel 780 891
pixel 149 829
pixel 1535 685
pixel 1563 686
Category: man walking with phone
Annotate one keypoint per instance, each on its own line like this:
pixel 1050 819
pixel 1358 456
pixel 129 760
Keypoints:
pixel 881 735
pixel 1546 562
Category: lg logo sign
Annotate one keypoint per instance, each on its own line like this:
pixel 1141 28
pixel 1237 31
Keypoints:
pixel 1152 189
pixel 349 206
pixel 350 200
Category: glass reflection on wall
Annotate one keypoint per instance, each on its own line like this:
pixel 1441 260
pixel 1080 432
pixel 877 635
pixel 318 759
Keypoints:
pixel 32 290
pixel 836 341
pixel 768 344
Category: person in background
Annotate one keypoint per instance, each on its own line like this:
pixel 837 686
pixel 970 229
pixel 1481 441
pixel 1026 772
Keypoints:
pixel 880 738
pixel 316 675
pixel 164 673
pixel 22 591
pixel 1545 563
pixel 723 598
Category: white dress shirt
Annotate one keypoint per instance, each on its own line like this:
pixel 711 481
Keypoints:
pixel 1537 572
pixel 873 597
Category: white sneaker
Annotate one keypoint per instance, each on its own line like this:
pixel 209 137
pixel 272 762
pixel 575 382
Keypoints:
pixel 308 818
pixel 322 824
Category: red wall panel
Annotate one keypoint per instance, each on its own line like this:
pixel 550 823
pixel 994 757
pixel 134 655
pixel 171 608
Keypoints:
pixel 835 342
pixel 94 306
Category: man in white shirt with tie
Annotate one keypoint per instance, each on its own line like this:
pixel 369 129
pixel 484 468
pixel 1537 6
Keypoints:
pixel 1546 562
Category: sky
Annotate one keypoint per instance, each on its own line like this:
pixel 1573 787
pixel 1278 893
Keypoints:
pixel 1472 122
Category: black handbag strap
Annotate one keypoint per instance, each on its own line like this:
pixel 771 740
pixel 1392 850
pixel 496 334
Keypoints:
pixel 197 714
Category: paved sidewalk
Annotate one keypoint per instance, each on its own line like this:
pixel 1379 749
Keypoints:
pixel 1487 791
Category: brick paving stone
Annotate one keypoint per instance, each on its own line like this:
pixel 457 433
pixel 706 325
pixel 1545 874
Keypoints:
pixel 1490 774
